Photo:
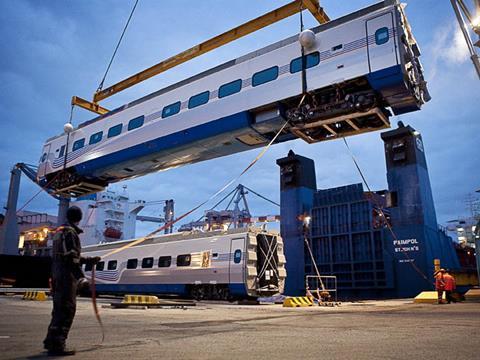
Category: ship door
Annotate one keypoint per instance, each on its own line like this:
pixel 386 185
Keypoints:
pixel 42 168
pixel 381 42
pixel 237 259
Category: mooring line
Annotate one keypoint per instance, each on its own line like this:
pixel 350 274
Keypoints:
pixel 229 183
pixel 380 208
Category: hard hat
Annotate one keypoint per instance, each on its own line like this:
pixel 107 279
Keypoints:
pixel 74 214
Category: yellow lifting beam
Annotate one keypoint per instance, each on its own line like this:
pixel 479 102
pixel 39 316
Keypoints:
pixel 247 28
pixel 92 106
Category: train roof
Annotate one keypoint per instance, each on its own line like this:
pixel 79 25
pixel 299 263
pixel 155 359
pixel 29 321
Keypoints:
pixel 251 55
pixel 178 237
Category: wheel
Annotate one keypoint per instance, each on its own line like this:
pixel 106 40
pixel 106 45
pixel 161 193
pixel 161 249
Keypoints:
pixel 224 294
pixel 197 293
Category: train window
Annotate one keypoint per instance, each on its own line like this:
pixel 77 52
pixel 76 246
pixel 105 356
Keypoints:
pixel 112 265
pixel 147 262
pixel 95 138
pixel 62 151
pixel 88 266
pixel 100 266
pixel 337 47
pixel 311 60
pixel 381 36
pixel 265 76
pixel 44 157
pixel 237 256
pixel 184 260
pixel 215 256
pixel 164 261
pixel 78 144
pixel 171 109
pixel 135 123
pixel 230 88
pixel 199 99
pixel 132 263
pixel 115 130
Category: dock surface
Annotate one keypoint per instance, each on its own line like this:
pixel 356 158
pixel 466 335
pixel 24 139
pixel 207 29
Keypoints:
pixel 393 329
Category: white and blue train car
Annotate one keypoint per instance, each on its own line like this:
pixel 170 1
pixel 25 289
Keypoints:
pixel 239 263
pixel 358 69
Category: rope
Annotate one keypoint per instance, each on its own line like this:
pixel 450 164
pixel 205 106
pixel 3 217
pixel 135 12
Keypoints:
pixel 42 188
pixel 68 139
pixel 100 86
pixel 71 114
pixel 169 224
pixel 380 208
pixel 94 304
pixel 222 200
pixel 314 263
pixel 304 58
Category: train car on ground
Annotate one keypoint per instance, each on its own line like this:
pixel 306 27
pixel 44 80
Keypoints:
pixel 357 69
pixel 239 263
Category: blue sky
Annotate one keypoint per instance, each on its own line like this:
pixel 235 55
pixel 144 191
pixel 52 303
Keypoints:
pixel 52 50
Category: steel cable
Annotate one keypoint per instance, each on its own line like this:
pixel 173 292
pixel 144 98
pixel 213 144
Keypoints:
pixel 380 208
pixel 228 184
pixel 100 86
pixel 42 188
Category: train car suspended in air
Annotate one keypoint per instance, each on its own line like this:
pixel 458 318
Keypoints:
pixel 356 69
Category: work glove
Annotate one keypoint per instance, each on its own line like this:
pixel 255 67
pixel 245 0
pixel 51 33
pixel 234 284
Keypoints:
pixel 83 286
pixel 92 260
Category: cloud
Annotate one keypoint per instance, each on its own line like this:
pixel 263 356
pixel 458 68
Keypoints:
pixel 457 52
pixel 448 48
pixel 54 50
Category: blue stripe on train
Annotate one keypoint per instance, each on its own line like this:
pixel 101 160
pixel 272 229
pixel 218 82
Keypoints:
pixel 171 289
pixel 391 84
pixel 223 125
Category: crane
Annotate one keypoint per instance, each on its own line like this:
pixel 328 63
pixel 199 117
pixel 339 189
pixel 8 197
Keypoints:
pixel 211 44
pixel 472 23
pixel 236 217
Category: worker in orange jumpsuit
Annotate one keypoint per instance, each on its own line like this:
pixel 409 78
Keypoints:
pixel 440 284
pixel 450 286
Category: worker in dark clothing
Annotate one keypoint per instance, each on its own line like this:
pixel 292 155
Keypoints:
pixel 67 278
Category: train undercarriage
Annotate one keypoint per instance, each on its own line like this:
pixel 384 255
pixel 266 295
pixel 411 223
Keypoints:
pixel 210 292
pixel 340 110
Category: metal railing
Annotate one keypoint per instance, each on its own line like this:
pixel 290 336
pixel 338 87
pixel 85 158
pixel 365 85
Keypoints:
pixel 329 282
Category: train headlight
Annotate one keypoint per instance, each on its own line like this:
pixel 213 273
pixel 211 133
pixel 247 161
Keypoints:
pixel 307 38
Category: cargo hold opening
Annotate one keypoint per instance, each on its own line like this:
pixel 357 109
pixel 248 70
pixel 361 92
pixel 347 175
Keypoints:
pixel 267 264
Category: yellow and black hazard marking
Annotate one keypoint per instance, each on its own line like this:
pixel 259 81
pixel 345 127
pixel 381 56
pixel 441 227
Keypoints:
pixel 140 299
pixel 298 301
pixel 35 295
pixel 150 301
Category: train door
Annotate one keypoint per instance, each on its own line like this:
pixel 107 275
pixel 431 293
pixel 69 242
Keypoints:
pixel 42 168
pixel 235 267
pixel 382 52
